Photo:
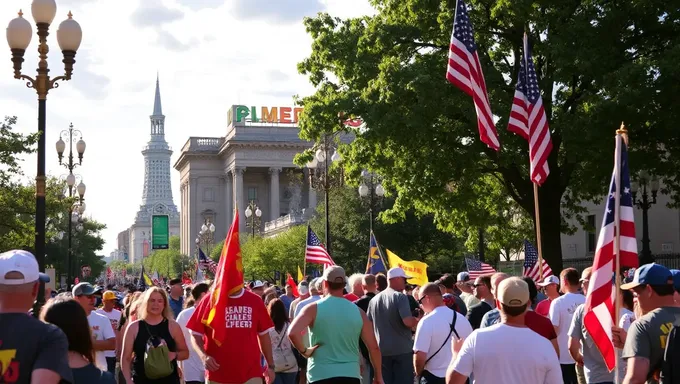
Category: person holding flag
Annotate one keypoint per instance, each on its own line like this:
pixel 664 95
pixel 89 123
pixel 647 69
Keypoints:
pixel 231 313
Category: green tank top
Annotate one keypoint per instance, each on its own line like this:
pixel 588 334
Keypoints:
pixel 337 328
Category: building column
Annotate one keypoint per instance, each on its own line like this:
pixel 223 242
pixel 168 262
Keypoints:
pixel 182 212
pixel 228 200
pixel 274 196
pixel 193 212
pixel 311 206
pixel 239 202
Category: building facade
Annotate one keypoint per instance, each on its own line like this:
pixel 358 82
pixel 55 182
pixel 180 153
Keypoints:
pixel 157 193
pixel 251 164
pixel 664 230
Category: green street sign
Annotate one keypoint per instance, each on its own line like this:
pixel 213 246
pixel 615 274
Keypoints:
pixel 160 232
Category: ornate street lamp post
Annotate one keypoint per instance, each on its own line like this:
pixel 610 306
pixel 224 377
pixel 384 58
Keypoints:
pixel 69 36
pixel 320 178
pixel 644 201
pixel 75 216
pixel 206 235
pixel 253 213
pixel 371 188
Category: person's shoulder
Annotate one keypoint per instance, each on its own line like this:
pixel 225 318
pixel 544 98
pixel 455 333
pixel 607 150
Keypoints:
pixel 96 316
pixel 187 312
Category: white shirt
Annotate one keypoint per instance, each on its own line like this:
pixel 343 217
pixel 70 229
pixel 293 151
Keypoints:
pixel 101 330
pixel 561 314
pixel 114 317
pixel 192 367
pixel 431 333
pixel 508 355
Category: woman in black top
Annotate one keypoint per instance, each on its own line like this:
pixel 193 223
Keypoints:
pixel 155 323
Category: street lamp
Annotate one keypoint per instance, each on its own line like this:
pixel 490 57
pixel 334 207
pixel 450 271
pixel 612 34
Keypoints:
pixel 75 216
pixel 644 201
pixel 254 218
pixel 69 36
pixel 320 178
pixel 371 188
pixel 206 235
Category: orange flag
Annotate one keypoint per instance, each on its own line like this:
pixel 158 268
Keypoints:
pixel 292 284
pixel 228 280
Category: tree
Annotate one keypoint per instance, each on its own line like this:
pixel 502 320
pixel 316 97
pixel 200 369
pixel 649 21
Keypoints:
pixel 168 262
pixel 602 62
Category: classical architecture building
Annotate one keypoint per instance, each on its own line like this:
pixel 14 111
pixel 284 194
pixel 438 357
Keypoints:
pixel 157 194
pixel 664 229
pixel 252 163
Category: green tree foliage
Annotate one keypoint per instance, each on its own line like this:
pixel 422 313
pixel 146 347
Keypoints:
pixel 604 62
pixel 168 262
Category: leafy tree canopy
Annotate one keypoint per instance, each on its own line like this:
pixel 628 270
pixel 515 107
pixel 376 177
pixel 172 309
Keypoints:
pixel 598 63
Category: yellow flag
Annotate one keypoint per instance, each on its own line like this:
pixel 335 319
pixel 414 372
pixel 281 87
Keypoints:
pixel 300 275
pixel 416 269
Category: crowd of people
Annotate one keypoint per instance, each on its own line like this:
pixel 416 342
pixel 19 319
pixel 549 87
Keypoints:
pixel 336 329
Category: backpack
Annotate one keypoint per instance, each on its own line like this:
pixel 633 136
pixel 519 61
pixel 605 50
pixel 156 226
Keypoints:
pixel 670 372
pixel 284 359
pixel 156 361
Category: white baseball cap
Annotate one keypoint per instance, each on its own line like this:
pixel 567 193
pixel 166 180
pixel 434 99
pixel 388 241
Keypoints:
pixel 396 272
pixel 549 280
pixel 258 284
pixel 22 262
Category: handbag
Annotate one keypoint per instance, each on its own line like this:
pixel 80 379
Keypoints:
pixel 284 359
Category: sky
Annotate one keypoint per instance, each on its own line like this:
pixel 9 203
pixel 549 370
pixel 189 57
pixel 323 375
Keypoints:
pixel 209 54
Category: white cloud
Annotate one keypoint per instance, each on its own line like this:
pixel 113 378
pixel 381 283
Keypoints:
pixel 208 59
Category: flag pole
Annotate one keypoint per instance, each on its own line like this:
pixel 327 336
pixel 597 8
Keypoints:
pixel 538 231
pixel 621 134
pixel 380 253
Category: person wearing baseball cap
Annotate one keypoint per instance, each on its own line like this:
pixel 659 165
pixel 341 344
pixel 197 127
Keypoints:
pixel 644 342
pixel 551 286
pixel 466 286
pixel 40 350
pixel 337 324
pixel 393 320
pixel 100 325
pixel 109 299
pixel 490 354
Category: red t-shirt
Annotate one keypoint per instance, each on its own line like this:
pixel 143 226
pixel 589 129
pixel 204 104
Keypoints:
pixel 540 324
pixel 543 308
pixel 239 355
pixel 352 297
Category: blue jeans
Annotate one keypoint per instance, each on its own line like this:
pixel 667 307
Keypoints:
pixel 398 369
pixel 285 378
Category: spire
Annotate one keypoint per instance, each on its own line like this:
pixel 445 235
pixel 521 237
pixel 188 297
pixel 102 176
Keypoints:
pixel 157 110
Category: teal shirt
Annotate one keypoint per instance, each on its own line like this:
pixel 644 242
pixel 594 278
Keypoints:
pixel 337 329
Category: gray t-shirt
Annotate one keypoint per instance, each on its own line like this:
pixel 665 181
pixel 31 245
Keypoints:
pixel 386 310
pixel 593 364
pixel 36 346
pixel 647 337
pixel 490 318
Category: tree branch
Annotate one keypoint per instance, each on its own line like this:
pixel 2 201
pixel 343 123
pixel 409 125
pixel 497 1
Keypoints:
pixel 422 44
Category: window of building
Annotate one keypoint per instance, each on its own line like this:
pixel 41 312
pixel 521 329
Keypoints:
pixel 591 240
pixel 252 193
pixel 208 194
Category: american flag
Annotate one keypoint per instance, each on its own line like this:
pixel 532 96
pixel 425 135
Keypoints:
pixel 465 72
pixel 315 252
pixel 531 263
pixel 476 268
pixel 599 307
pixel 528 118
pixel 204 262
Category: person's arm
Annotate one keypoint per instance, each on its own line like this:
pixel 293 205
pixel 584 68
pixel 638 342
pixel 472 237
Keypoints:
pixel 421 345
pixel 575 336
pixel 636 370
pixel 368 337
pixel 556 346
pixel 182 351
pixel 109 342
pixel 126 353
pixel 51 363
pixel 405 312
pixel 637 352
pixel 299 325
pixel 554 315
pixel 461 367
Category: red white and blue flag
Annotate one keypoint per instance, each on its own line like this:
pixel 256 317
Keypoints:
pixel 476 268
pixel 531 264
pixel 315 252
pixel 204 262
pixel 465 72
pixel 600 298
pixel 528 118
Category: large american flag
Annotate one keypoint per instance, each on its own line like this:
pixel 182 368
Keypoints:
pixel 204 262
pixel 315 252
pixel 599 307
pixel 528 118
pixel 465 72
pixel 531 265
pixel 476 268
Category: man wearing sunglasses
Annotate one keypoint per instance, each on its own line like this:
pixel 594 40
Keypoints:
pixel 643 351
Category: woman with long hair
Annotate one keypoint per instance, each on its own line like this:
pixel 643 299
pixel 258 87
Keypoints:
pixel 70 317
pixel 155 328
pixel 285 363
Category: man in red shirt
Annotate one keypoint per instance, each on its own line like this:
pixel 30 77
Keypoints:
pixel 551 286
pixel 237 361
pixel 537 323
